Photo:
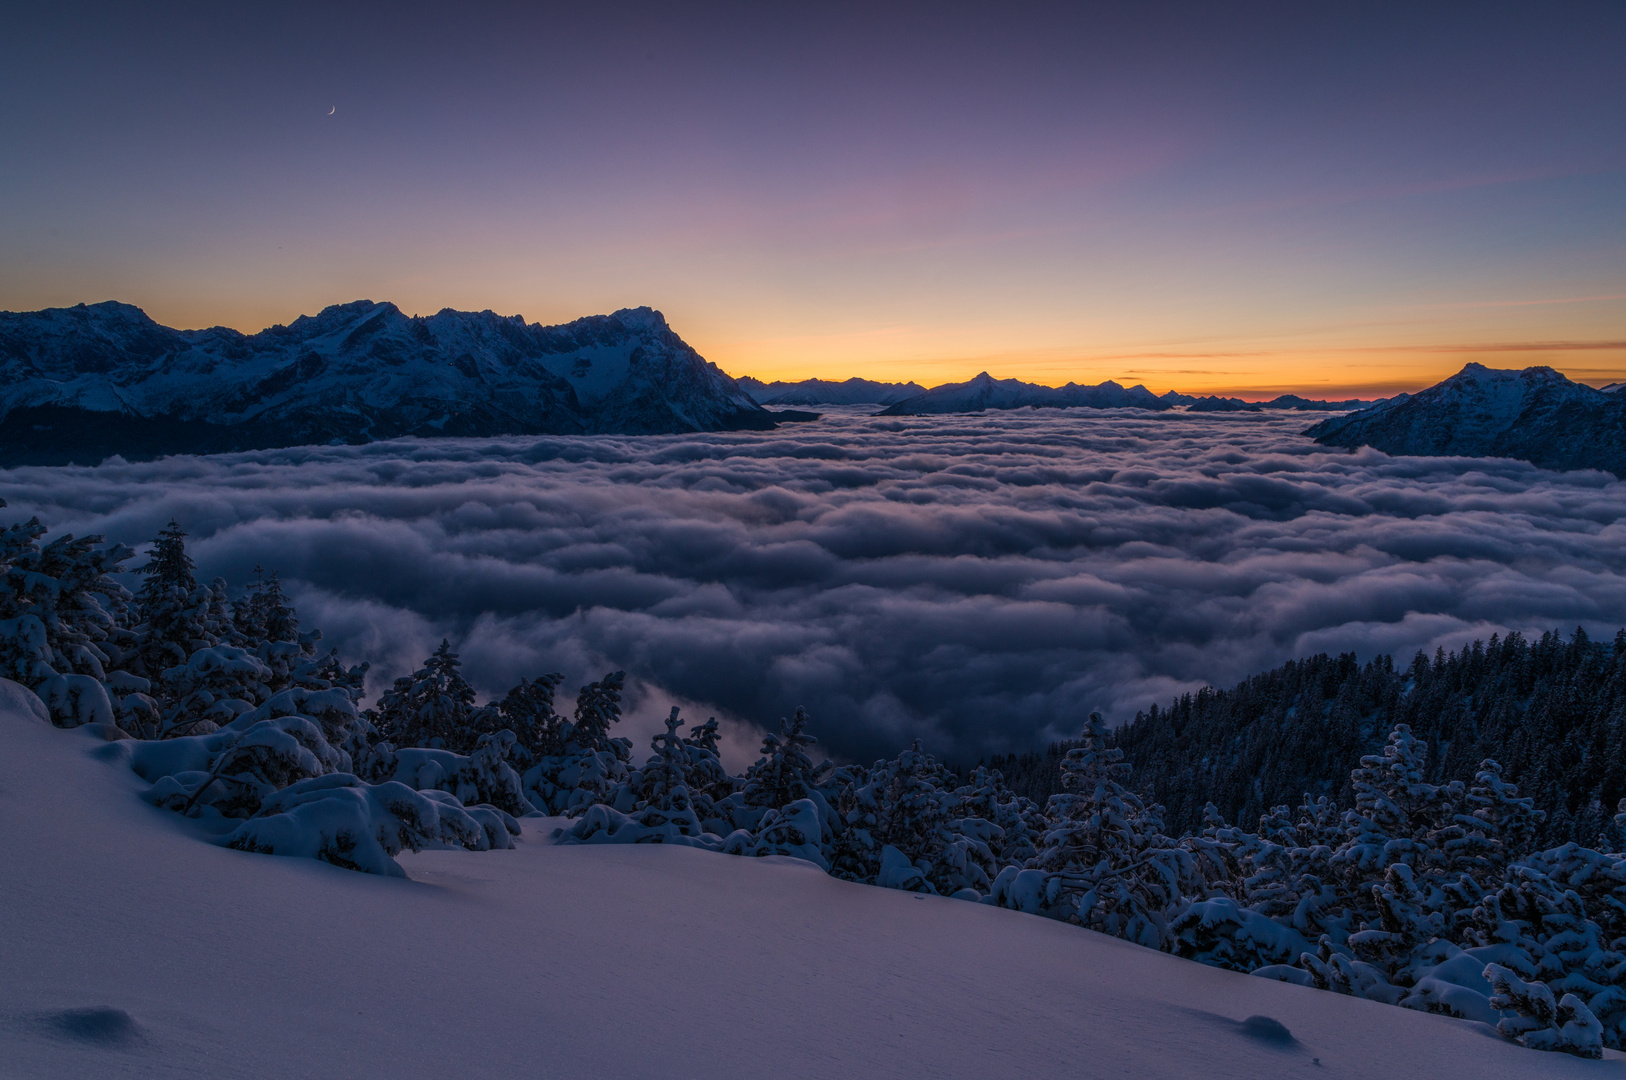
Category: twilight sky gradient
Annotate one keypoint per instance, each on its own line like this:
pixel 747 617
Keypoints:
pixel 1327 198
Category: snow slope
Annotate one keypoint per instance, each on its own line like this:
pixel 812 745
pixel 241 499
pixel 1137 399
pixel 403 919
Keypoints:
pixel 133 948
pixel 98 379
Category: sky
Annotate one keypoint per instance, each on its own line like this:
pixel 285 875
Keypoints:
pixel 1332 199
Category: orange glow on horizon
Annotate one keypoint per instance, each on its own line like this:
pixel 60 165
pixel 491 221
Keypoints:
pixel 1331 373
pixel 1385 354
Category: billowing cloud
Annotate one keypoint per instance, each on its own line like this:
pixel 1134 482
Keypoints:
pixel 981 582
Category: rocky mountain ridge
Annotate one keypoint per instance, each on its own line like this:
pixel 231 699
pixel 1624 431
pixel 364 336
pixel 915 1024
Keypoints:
pixel 81 383
pixel 1534 414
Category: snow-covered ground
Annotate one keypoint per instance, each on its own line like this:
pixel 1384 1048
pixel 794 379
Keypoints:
pixel 131 947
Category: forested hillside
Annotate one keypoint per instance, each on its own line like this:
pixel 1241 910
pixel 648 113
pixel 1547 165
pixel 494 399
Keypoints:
pixel 1552 712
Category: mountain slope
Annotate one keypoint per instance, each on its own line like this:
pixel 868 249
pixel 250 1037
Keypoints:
pixel 987 392
pixel 135 948
pixel 1536 415
pixel 83 382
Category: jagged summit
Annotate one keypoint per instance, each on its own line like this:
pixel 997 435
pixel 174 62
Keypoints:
pixel 1534 414
pixel 80 383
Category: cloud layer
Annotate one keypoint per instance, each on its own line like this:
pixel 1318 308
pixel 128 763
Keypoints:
pixel 981 582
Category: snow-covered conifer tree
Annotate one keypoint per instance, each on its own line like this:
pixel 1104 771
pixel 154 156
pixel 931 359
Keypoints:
pixel 265 614
pixel 709 781
pixel 1020 820
pixel 907 807
pixel 428 708
pixel 527 711
pixel 785 772
pixel 591 764
pixel 61 623
pixel 1108 865
pixel 598 708
pixel 176 613
pixel 657 798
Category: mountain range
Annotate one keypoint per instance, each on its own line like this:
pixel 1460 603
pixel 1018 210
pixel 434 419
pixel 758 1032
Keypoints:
pixel 1215 403
pixel 81 383
pixel 829 392
pixel 987 392
pixel 1534 414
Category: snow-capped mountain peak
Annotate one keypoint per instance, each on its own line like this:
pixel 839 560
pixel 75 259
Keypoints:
pixel 1535 414
pixel 82 382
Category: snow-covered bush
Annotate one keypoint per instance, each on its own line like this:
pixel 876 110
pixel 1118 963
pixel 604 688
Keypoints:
pixel 342 820
pixel 233 770
pixel 216 685
pixel 481 777
pixel 1221 933
pixel 1539 1022
pixel 796 829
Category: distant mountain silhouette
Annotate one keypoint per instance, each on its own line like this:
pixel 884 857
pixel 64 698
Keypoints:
pixel 828 392
pixel 987 392
pixel 1214 403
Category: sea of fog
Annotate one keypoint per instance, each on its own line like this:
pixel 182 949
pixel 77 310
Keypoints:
pixel 980 582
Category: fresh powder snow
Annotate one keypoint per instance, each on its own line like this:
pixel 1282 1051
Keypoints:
pixel 135 947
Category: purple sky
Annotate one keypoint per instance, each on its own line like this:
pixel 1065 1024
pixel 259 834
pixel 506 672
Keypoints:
pixel 1316 197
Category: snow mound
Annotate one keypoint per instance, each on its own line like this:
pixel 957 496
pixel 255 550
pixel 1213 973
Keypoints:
pixel 101 1026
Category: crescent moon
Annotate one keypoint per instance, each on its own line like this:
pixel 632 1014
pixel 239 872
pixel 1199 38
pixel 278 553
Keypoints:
pixel 333 110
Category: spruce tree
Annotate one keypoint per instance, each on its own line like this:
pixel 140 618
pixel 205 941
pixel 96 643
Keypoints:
pixel 430 707
pixel 1105 852
pixel 175 613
